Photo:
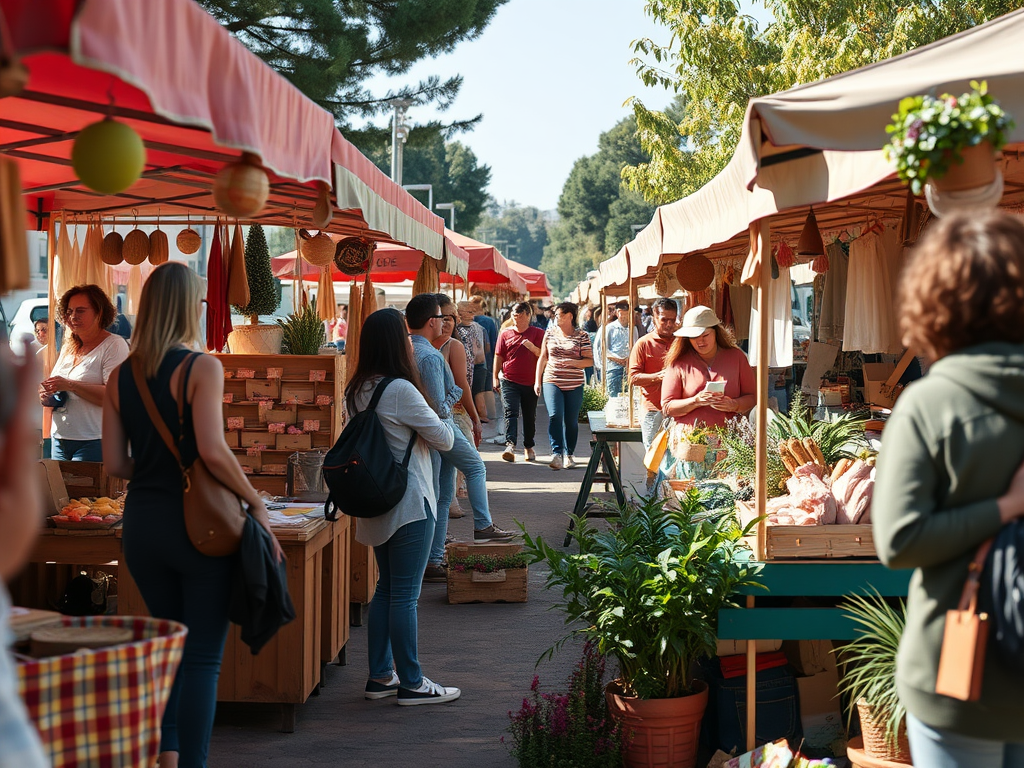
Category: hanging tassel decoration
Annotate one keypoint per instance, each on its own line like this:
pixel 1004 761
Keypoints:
pixel 355 327
pixel 784 255
pixel 820 264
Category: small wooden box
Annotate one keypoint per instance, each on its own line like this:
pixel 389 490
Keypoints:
pixel 293 442
pixel 250 464
pixel 808 542
pixel 278 416
pixel 88 478
pixel 232 439
pixel 297 392
pixel 262 389
pixel 251 439
pixel 505 586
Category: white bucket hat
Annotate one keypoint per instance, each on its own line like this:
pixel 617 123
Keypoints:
pixel 697 320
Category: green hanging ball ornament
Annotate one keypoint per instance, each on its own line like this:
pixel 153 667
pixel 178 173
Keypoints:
pixel 108 156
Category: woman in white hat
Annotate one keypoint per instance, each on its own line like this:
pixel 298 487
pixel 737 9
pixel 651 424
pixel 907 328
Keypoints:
pixel 707 377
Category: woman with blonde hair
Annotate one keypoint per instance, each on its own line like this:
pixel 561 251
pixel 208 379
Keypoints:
pixel 87 359
pixel 950 474
pixel 175 580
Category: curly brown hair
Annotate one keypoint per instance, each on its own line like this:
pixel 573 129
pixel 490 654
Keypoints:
pixel 99 301
pixel 964 285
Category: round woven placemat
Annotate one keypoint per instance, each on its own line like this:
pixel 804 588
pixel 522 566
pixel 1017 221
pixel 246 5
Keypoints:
pixel 695 273
pixel 352 255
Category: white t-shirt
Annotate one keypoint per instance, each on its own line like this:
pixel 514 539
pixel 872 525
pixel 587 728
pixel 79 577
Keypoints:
pixel 79 419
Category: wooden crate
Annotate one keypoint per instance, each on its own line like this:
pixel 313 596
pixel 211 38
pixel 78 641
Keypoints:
pixel 88 478
pixel 808 542
pixel 505 586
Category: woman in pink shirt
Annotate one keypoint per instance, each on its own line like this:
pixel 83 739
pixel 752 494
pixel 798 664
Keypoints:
pixel 705 352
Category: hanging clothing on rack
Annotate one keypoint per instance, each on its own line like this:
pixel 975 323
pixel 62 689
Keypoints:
pixel 741 298
pixel 870 325
pixel 779 305
pixel 833 298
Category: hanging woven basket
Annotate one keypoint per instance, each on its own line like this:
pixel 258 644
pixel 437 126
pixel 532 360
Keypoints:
pixel 112 251
pixel 352 255
pixel 188 241
pixel 318 250
pixel 695 273
pixel 241 189
pixel 136 247
pixel 159 248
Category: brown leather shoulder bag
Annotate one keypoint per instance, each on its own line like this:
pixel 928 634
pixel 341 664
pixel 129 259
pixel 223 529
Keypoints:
pixel 214 516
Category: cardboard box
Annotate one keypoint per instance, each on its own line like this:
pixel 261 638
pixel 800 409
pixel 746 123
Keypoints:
pixel 820 711
pixel 262 389
pixel 809 657
pixel 293 442
pixel 875 391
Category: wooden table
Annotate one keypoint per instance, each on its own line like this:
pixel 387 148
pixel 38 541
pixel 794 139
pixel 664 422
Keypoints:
pixel 288 668
pixel 810 578
pixel 601 449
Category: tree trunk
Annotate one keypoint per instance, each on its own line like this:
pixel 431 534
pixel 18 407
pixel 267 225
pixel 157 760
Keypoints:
pixel 254 319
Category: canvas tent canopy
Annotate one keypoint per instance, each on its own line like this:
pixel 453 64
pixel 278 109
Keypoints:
pixel 198 98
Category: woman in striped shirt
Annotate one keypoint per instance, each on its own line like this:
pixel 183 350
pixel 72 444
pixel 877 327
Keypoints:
pixel 565 353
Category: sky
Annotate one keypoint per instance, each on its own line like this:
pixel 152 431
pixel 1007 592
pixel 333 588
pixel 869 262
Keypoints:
pixel 549 77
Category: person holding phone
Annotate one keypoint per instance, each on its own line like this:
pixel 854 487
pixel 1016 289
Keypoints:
pixel 707 377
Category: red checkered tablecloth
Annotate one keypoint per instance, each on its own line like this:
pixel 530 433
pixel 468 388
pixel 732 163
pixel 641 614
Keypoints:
pixel 102 708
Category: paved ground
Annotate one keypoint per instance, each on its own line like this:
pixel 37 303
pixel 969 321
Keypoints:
pixel 489 651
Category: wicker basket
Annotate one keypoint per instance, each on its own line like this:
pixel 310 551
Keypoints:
pixel 159 248
pixel 112 251
pixel 318 250
pixel 695 273
pixel 188 241
pixel 693 452
pixel 136 247
pixel 353 255
pixel 241 189
pixel 875 743
pixel 323 211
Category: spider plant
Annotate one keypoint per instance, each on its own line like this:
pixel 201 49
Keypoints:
pixel 303 331
pixel 869 662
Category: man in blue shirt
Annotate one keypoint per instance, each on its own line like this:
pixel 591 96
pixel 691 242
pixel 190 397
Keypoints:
pixel 616 335
pixel 423 316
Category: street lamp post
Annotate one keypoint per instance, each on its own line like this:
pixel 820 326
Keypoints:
pixel 447 207
pixel 428 188
pixel 399 133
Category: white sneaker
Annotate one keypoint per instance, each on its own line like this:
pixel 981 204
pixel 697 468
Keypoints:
pixel 556 462
pixel 570 462
pixel 429 692
pixel 510 452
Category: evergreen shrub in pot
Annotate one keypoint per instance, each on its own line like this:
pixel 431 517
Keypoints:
pixel 647 589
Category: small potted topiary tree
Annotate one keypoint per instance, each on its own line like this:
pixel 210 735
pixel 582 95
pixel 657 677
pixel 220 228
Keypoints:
pixel 264 298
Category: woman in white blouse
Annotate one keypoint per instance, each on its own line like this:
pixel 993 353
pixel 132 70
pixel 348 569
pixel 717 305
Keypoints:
pixel 400 538
pixel 79 378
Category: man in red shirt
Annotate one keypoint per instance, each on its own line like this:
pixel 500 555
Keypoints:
pixel 515 360
pixel 647 365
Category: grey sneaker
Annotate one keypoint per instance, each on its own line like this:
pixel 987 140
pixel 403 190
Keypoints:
pixel 491 533
pixel 510 452
pixel 435 574
pixel 556 461
pixel 530 454
pixel 570 462
pixel 429 692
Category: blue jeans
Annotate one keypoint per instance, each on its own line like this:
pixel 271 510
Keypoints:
pixel 391 621
pixel 515 396
pixel 563 417
pixel 615 380
pixel 77 450
pixel 463 456
pixel 650 425
pixel 179 583
pixel 938 748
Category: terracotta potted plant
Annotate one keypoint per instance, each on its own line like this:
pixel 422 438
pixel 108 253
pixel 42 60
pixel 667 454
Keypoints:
pixel 869 680
pixel 947 141
pixel 647 589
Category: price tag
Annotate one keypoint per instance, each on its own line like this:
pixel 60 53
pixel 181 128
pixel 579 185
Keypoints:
pixel 324 400
pixel 254 450
pixel 229 374
pixel 275 373
pixel 246 373
pixel 266 405
pixel 318 375
pixel 236 422
pixel 311 425
pixel 229 397
pixel 276 428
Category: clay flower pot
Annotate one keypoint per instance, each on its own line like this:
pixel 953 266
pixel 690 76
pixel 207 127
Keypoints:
pixel 663 733
pixel 978 169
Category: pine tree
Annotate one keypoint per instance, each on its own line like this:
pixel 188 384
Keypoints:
pixel 264 296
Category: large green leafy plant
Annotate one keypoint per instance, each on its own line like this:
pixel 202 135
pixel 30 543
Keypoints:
pixel 869 662
pixel 928 133
pixel 648 588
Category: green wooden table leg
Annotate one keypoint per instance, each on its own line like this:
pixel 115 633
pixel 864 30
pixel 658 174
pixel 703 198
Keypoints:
pixel 585 487
pixel 613 473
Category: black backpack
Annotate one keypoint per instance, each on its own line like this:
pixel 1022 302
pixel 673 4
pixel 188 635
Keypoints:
pixel 363 479
pixel 1003 599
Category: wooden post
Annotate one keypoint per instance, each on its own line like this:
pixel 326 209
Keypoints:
pixel 633 303
pixel 761 453
pixel 603 335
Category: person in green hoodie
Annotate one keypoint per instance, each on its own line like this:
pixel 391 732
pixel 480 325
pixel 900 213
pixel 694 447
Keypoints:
pixel 950 472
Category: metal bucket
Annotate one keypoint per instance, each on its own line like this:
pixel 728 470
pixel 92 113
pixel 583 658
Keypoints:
pixel 305 478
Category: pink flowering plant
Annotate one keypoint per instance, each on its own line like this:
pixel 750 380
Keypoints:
pixel 567 730
pixel 928 133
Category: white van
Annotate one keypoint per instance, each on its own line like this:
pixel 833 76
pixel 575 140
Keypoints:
pixel 24 321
